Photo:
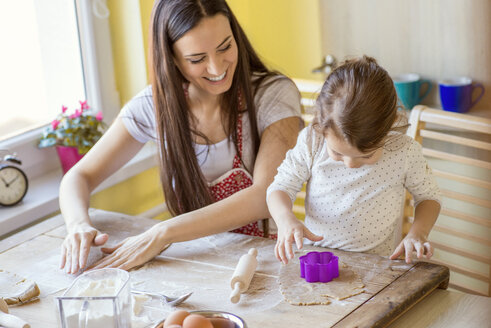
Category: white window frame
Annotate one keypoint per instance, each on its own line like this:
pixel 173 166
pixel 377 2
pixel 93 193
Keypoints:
pixel 42 165
pixel 100 87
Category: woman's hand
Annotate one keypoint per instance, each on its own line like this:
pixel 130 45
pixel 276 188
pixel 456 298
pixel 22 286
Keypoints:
pixel 291 230
pixel 413 242
pixel 76 247
pixel 132 251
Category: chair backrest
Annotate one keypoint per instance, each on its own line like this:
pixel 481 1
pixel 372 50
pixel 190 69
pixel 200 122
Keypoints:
pixel 309 91
pixel 458 149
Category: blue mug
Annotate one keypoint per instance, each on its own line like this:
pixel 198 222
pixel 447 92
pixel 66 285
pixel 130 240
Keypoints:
pixel 456 94
pixel 409 88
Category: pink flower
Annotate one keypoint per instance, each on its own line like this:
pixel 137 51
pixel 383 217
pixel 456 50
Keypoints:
pixel 99 116
pixel 63 109
pixel 54 124
pixel 83 105
pixel 78 113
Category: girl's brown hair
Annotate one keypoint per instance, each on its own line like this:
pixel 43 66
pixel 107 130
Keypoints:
pixel 358 103
pixel 185 188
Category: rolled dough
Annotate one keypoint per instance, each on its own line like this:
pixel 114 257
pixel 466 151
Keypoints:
pixel 15 289
pixel 297 291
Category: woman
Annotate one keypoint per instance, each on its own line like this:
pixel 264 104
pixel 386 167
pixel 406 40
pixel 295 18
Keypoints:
pixel 219 116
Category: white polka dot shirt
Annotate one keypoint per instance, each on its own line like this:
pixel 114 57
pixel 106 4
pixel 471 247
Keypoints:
pixel 354 209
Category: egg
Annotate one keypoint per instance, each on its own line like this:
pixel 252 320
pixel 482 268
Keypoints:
pixel 222 323
pixel 196 321
pixel 175 318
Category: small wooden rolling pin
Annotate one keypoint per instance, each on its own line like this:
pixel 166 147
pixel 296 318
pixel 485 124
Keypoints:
pixel 243 274
pixel 8 320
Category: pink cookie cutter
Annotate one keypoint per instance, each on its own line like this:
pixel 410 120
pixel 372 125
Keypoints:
pixel 319 266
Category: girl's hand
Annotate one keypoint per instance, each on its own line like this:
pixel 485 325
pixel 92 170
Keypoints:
pixel 290 230
pixel 413 242
pixel 76 247
pixel 132 251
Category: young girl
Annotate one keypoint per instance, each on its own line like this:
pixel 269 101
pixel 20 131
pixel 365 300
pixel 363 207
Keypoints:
pixel 357 163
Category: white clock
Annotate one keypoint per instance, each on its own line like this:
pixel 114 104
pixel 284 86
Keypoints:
pixel 13 184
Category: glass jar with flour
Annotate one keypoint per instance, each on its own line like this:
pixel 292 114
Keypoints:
pixel 99 298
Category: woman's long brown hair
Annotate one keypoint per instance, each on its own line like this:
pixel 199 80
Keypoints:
pixel 185 188
pixel 358 102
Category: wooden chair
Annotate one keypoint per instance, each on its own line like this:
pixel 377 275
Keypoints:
pixel 458 149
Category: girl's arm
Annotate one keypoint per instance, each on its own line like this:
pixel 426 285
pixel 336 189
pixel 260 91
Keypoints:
pixel 112 151
pixel 421 183
pixel 425 216
pixel 245 206
pixel 292 174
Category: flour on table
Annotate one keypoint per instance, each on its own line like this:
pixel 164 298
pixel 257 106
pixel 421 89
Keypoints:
pixel 297 291
pixel 175 277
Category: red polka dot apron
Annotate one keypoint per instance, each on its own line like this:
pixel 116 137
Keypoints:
pixel 235 180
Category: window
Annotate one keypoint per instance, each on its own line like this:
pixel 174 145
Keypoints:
pixel 41 66
pixel 52 55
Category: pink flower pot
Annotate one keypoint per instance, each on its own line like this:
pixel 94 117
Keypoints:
pixel 69 156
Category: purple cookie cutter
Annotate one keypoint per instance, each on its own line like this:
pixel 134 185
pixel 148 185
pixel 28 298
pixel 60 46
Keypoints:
pixel 319 266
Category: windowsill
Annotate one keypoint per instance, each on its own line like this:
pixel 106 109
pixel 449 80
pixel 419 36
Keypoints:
pixel 42 196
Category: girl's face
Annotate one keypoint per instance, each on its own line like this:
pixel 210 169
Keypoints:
pixel 207 55
pixel 340 150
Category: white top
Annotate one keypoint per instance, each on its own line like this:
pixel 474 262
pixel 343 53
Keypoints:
pixel 355 209
pixel 215 159
pixel 275 100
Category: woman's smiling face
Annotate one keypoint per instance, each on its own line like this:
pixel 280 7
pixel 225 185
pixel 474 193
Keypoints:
pixel 207 55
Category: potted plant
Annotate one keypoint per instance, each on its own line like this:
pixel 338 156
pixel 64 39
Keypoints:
pixel 73 134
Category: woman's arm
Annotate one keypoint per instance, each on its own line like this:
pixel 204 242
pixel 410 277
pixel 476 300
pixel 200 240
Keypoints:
pixel 111 152
pixel 245 206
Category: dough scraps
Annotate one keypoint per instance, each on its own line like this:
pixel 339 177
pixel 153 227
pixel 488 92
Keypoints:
pixel 297 291
pixel 15 289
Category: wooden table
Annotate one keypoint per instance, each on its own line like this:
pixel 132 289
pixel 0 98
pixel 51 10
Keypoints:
pixel 206 265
